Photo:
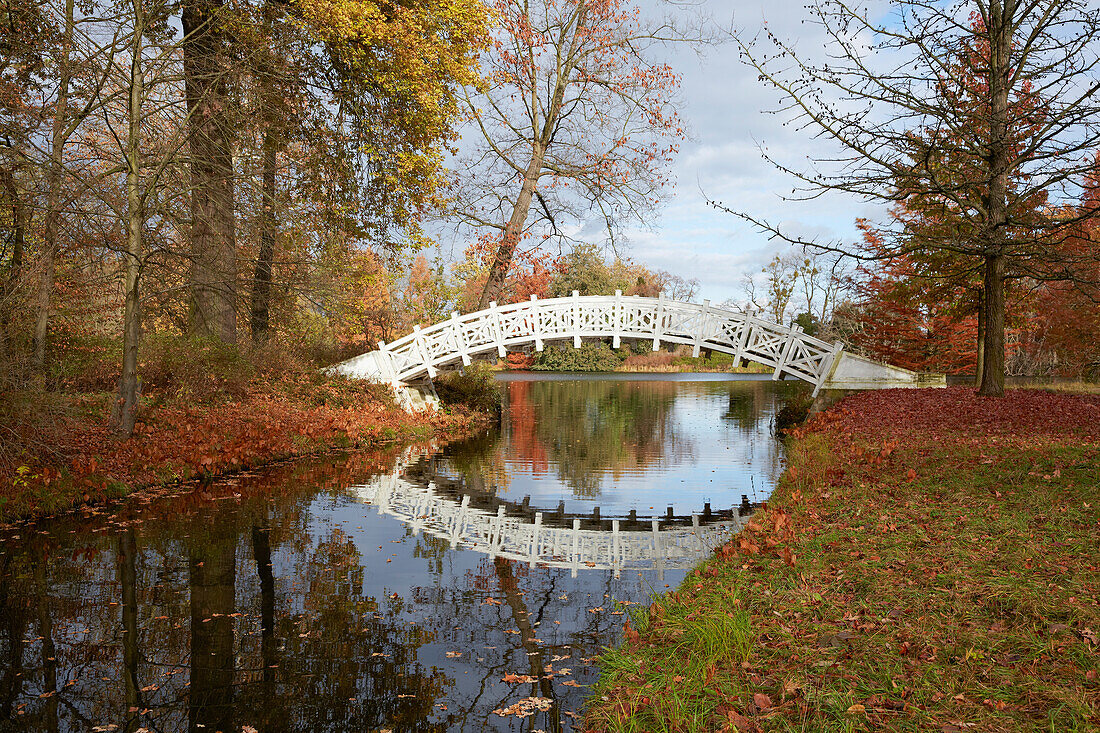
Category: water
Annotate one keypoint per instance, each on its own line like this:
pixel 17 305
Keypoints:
pixel 362 593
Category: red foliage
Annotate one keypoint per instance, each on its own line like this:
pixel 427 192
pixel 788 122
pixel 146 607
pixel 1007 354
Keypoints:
pixel 526 446
pixel 959 412
pixel 179 441
pixel 520 361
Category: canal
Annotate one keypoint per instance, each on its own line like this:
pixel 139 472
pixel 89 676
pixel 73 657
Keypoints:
pixel 458 587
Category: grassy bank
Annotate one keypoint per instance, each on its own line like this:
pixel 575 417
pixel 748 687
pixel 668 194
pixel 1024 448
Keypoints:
pixel 930 561
pixel 68 458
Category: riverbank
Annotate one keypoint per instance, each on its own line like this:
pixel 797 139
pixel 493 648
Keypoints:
pixel 928 562
pixel 75 461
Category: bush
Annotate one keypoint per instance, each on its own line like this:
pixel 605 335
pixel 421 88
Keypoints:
pixel 85 363
pixel 650 360
pixel 590 357
pixel 197 367
pixel 519 361
pixel 475 387
pixel 796 400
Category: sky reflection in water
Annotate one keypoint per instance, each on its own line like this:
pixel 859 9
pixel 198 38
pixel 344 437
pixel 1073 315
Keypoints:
pixel 283 602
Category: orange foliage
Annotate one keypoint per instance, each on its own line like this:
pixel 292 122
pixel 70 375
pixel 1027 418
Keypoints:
pixel 182 441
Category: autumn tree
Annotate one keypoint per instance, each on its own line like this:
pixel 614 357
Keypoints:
pixel 25 33
pixel 797 284
pixel 576 119
pixel 359 100
pixel 923 106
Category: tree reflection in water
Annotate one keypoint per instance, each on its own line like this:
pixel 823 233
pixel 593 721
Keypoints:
pixel 274 601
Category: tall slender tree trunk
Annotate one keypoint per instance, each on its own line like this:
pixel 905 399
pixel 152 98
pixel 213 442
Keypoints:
pixel 14 617
pixel 213 277
pixel 513 230
pixel 542 135
pixel 125 410
pixel 260 320
pixel 59 132
pixel 543 687
pixel 1000 39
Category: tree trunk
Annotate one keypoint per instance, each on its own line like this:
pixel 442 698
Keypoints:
pixel 1000 43
pixel 15 621
pixel 53 197
pixel 536 660
pixel 125 410
pixel 979 363
pixel 213 306
pixel 512 231
pixel 10 282
pixel 261 280
pixel 993 366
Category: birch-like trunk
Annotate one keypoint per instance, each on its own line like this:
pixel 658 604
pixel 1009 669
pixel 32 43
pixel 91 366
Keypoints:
pixel 124 413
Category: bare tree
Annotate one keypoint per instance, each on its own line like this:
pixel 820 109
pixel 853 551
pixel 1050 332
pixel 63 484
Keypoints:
pixel 978 106
pixel 576 119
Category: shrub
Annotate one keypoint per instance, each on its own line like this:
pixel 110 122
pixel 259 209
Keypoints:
pixel 590 357
pixel 519 361
pixel 796 402
pixel 651 359
pixel 475 387
pixel 197 367
pixel 85 363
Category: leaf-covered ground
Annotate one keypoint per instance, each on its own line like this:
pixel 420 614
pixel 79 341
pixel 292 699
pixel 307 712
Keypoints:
pixel 930 561
pixel 177 439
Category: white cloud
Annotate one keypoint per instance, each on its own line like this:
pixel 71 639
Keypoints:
pixel 726 109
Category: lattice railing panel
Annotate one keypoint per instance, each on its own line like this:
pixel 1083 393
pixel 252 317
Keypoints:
pixel 789 351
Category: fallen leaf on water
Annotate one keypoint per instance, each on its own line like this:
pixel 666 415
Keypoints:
pixel 572 683
pixel 454 655
pixel 518 679
pixel 525 707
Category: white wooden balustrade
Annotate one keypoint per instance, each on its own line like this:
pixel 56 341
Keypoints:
pixel 788 350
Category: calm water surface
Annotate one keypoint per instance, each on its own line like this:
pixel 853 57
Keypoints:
pixel 420 589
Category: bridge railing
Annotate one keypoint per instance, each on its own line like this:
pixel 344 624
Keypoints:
pixel 787 350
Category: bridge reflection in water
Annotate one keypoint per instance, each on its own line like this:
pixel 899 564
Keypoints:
pixel 554 539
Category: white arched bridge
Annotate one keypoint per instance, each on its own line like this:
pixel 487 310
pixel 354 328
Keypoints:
pixel 788 350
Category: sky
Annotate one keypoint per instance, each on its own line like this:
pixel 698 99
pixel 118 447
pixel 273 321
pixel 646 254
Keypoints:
pixel 726 111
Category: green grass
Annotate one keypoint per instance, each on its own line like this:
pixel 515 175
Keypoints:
pixel 962 596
